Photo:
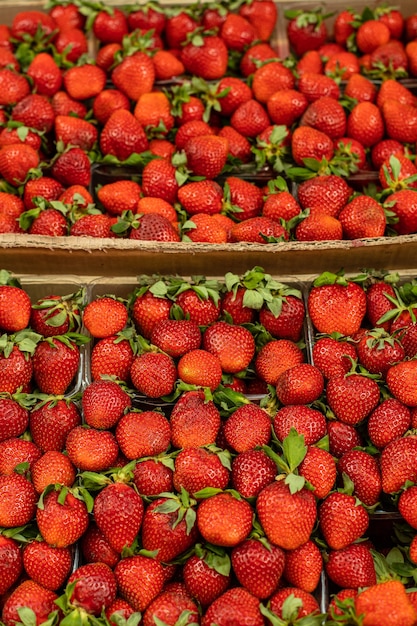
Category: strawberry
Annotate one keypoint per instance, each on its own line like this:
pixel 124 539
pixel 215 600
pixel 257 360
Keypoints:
pixel 244 198
pixel 152 227
pixel 309 143
pixel 303 604
pixel 28 22
pixel 110 508
pixel 75 131
pixel 281 205
pixel 110 26
pixel 108 101
pixel 398 464
pixel 261 52
pixel 193 128
pixel 149 307
pixel 194 421
pixel 201 368
pixel 386 601
pixel 176 337
pixel 45 187
pixel 301 384
pixel 319 468
pixel 178 26
pixel 234 92
pixel 103 403
pixel 95 548
pixel 206 155
pixel 310 61
pixel 14 452
pixel 16 161
pixel 286 106
pixel 134 75
pixel 15 306
pixel 46 74
pixel 250 118
pixel 377 351
pixel 351 567
pixel 247 428
pixel 343 64
pixel 337 307
pixel 54 314
pixel 168 528
pixel 400 121
pixel 407 506
pixel 237 32
pixel 158 180
pixel 143 434
pixel 105 316
pixel 153 111
pixel 352 397
pixel 205 228
pixel 11 563
pixel 62 517
pixel 152 477
pixel 258 567
pixel 200 302
pixel 55 364
pixel 262 14
pixel 275 357
pixel 46 565
pixel 167 65
pixel 388 421
pixel 251 472
pixel 123 135
pixel 14 418
pixel 72 167
pixel 14 87
pixel 342 520
pixel 67 16
pixel 71 42
pixel 32 596
pixel 206 575
pixel 90 449
pixel 224 520
pixel 197 469
pixel 140 579
pixel 402 203
pixel 296 524
pixel 363 217
pixel 235 604
pixel 64 105
pixel 157 205
pixel 363 471
pixel 51 421
pixel 112 356
pixel 205 56
pixel 305 30
pixel 400 379
pixel 258 230
pixel 329 192
pixel 308 422
pixel 342 437
pixel 360 88
pixel 366 124
pixel 172 604
pixel 84 81
pixel 332 356
pixel 17 500
pixel 326 115
pixel 51 468
pixel 270 78
pixel 94 588
pixel 314 86
pixel 153 374
pixel 371 34
pixel 303 566
pixel 383 150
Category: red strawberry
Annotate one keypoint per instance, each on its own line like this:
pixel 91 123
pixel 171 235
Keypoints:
pixel 201 368
pixel 74 131
pixel 303 566
pixel 237 32
pixel 17 500
pixel 403 204
pixel 276 357
pixel 386 601
pixel 16 160
pixel 351 567
pixel 342 437
pixel 198 308
pixel 305 30
pixel 143 434
pixel 51 468
pixel 148 309
pixel 158 180
pixel 118 512
pixel 90 449
pixel 72 167
pixel 105 316
pixel 308 422
pixel 153 476
pixel 206 155
pixel 400 379
pixel 71 42
pixel 371 34
pixel 261 52
pixel 103 403
pixel 28 22
pixel 112 356
pixel 55 363
pixel 176 337
pixel 107 102
pixel 234 345
pixel 206 575
pixel 286 106
pixel 95 588
pixel 303 603
pixel 365 124
pixel 342 520
pixel 262 14
pixel 301 384
pixel 172 604
pixel 96 549
pixel 140 579
pixel 319 468
pixel 46 74
pixel 11 564
pixel 14 87
pixel 46 565
pixel 258 230
pixel 388 421
pixel 62 518
pixel 296 512
pixel 333 357
pixel 197 469
pixel 110 26
pixel 122 135
pixel 398 464
pixel 84 81
pixel 14 452
pixel 134 75
pixel 64 105
pixel 329 192
pixel 363 471
pixel 250 118
pixel 194 421
pixel 377 351
pixel 224 520
pixel 235 604
pixel 247 428
pixel 352 397
pixel 153 374
pixel 51 421
pixel 309 143
pixel 270 78
pixel 205 56
pixel 251 472
pixel 258 567
pixel 33 596
pixel 326 115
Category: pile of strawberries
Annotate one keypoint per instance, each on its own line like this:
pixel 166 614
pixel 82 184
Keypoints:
pixel 167 124
pixel 151 485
